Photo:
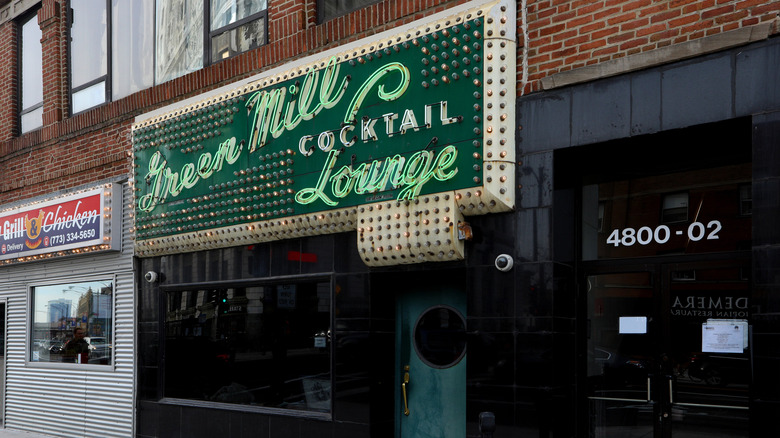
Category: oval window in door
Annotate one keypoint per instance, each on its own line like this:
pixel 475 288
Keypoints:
pixel 440 337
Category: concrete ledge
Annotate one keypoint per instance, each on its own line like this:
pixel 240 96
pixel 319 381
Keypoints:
pixel 15 8
pixel 660 56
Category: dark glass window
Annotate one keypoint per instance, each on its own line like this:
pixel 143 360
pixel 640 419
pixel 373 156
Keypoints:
pixel 31 74
pixel 330 9
pixel 440 337
pixel 73 322
pixel 262 345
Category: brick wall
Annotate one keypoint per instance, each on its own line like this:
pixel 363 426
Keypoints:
pixel 565 35
pixel 8 81
pixel 561 35
pixel 93 145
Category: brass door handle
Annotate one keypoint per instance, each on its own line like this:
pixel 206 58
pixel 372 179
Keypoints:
pixel 403 389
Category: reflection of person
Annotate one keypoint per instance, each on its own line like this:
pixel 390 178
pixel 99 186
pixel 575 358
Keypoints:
pixel 77 349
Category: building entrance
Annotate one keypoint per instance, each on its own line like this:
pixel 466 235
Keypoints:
pixel 431 361
pixel 665 283
pixel 668 348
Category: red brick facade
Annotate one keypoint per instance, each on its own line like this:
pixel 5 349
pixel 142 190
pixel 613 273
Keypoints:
pixel 560 36
pixel 565 35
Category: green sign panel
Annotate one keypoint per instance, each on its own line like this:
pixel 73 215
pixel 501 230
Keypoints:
pixel 395 122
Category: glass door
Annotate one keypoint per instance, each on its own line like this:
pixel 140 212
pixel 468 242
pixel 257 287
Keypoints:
pixel 707 365
pixel 622 344
pixel 669 351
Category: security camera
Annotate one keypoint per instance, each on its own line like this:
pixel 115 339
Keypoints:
pixel 504 262
pixel 151 276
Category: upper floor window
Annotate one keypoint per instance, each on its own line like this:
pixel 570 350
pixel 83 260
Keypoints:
pixel 236 26
pixel 195 33
pixel 330 9
pixel 89 53
pixel 31 74
pixel 110 50
pixel 119 47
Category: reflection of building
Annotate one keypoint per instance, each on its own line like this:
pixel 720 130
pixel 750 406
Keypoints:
pixel 181 51
pixel 59 309
pixel 94 311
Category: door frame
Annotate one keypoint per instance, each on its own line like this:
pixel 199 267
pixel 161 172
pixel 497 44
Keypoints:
pixel 660 269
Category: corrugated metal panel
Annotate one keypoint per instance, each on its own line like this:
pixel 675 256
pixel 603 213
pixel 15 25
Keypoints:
pixel 72 402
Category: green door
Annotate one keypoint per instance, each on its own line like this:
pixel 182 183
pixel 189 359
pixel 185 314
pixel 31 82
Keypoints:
pixel 431 363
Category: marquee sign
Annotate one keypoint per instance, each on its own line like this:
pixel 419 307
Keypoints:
pixel 72 224
pixel 426 113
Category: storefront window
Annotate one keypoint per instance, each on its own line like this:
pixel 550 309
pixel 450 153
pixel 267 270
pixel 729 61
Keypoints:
pixel 72 322
pixel 262 345
pixel 236 26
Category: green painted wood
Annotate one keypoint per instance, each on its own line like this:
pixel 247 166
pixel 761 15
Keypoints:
pixel 437 397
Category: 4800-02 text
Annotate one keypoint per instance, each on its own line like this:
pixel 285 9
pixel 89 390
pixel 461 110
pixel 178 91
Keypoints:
pixel 662 233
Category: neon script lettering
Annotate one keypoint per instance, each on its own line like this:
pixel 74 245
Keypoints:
pixel 409 174
pixel 282 109
pixel 166 182
pixel 276 111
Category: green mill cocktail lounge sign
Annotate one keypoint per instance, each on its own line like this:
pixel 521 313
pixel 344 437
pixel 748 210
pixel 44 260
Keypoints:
pixel 398 138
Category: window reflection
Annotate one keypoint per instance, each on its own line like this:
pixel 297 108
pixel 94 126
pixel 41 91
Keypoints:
pixel 73 323
pixel 89 41
pixel 231 27
pixel 236 26
pixel 238 40
pixel 179 38
pixel 264 345
pixel 693 212
pixel 225 12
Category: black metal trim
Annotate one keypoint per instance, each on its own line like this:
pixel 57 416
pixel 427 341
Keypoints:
pixel 246 281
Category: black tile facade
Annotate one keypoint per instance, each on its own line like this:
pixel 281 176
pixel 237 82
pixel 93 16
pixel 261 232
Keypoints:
pixel 524 326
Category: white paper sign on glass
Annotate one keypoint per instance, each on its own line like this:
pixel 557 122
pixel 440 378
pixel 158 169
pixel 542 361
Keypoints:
pixel 632 325
pixel 724 336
